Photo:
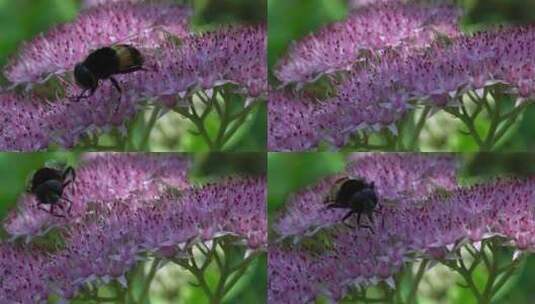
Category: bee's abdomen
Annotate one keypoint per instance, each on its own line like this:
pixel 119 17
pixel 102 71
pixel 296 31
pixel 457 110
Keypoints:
pixel 129 58
pixel 103 62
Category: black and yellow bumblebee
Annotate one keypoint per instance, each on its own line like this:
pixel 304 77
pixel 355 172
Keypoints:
pixel 105 62
pixel 48 184
pixel 359 197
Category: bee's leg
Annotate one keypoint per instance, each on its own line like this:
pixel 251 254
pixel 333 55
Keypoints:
pixel 82 96
pixel 369 227
pixel 40 206
pixel 77 98
pixel 70 205
pixel 328 201
pixel 69 171
pixel 133 69
pixel 336 205
pixel 358 219
pixel 116 85
pixel 362 225
pixel 348 214
pixel 52 212
pixel 379 209
pixel 370 217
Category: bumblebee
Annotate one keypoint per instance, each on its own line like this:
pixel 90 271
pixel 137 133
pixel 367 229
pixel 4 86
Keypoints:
pixel 103 64
pixel 48 184
pixel 357 196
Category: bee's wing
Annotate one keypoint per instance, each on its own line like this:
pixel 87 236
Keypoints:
pixel 166 35
pixel 28 181
pixel 56 164
pixel 393 203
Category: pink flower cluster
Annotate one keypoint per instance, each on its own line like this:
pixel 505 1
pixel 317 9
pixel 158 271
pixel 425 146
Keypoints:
pixel 103 178
pixel 177 62
pixel 374 27
pixel 126 206
pixel 57 51
pixel 378 95
pixel 381 94
pixel 30 123
pixel 231 55
pixel 90 3
pixel 424 222
pixel 395 176
pixel 290 127
pixel 119 234
pixel 21 273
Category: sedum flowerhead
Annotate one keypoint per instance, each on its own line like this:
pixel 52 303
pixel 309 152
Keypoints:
pixel 233 55
pixel 21 275
pixel 407 228
pixel 32 123
pixel 57 51
pixel 372 28
pixel 379 95
pixel 101 179
pixel 90 3
pixel 376 95
pixel 111 239
pixel 299 122
pixel 395 176
pixel 203 61
pixel 129 207
pixel 290 123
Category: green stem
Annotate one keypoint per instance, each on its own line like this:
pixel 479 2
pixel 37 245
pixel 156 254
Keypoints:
pixel 509 271
pixel 509 118
pixel 412 295
pixel 369 300
pixel 229 275
pixel 239 271
pixel 419 127
pixel 104 299
pixel 486 297
pixel 239 120
pixel 467 276
pixel 495 121
pixel 469 124
pixel 199 124
pixel 148 129
pixel 148 281
pixel 225 120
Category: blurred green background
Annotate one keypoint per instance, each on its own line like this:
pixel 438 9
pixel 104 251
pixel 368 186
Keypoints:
pixel 290 20
pixel 21 20
pixel 172 286
pixel 289 172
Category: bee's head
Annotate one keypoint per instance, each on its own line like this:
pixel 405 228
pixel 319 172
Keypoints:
pixel 84 77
